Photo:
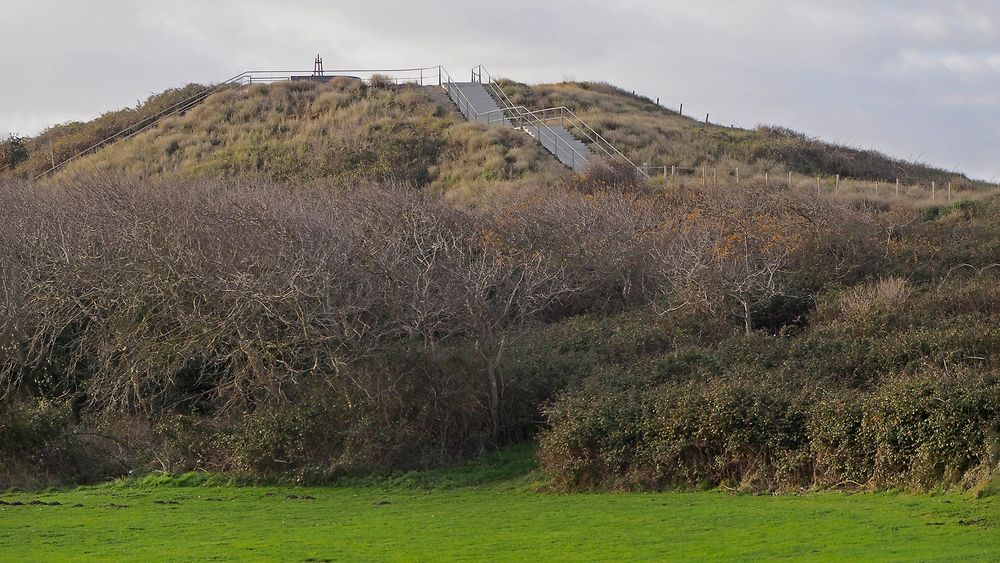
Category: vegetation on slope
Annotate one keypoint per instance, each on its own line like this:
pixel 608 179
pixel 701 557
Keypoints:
pixel 304 132
pixel 60 142
pixel 646 132
pixel 763 338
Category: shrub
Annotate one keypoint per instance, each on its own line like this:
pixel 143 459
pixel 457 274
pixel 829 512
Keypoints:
pixel 913 432
pixel 870 302
pixel 381 81
pixel 674 434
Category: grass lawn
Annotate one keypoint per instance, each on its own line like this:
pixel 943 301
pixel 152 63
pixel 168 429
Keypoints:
pixel 485 511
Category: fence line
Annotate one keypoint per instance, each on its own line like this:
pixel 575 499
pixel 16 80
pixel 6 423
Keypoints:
pixel 716 176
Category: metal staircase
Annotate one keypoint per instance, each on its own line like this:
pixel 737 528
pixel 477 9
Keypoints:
pixel 476 104
pixel 558 129
pixel 567 148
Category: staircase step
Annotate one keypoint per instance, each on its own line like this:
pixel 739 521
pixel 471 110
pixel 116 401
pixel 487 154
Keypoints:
pixel 560 142
pixel 478 106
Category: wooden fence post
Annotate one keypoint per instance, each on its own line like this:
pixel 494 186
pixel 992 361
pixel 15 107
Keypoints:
pixel 897 187
pixel 933 191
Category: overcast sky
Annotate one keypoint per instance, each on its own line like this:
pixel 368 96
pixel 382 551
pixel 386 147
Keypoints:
pixel 917 79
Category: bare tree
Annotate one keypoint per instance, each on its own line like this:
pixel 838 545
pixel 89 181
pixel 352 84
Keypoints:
pixel 734 246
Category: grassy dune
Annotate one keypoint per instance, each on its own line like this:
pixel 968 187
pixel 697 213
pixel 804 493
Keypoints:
pixel 304 132
pixel 660 137
pixel 488 510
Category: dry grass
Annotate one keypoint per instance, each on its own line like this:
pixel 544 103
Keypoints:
pixel 305 132
pixel 59 142
pixel 346 131
pixel 652 134
pixel 881 296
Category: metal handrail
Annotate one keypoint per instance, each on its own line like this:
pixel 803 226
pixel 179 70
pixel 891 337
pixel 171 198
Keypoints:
pixel 544 131
pixel 520 114
pixel 596 138
pixel 478 71
pixel 180 106
pixel 450 84
pixel 521 118
pixel 524 115
pixel 285 75
pixel 199 97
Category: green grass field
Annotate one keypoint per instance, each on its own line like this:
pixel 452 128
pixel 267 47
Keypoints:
pixel 486 511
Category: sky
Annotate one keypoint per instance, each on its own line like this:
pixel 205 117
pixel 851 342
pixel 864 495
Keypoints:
pixel 916 79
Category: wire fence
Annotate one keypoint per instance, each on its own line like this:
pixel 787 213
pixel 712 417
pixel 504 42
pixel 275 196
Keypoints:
pixel 834 184
pixel 420 76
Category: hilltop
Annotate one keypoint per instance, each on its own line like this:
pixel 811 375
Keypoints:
pixel 306 132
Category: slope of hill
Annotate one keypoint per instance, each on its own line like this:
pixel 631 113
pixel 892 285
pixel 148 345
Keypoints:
pixel 650 133
pixel 304 132
pixel 60 142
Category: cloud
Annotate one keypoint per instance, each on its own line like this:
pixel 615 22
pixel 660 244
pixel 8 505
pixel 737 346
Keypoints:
pixel 964 64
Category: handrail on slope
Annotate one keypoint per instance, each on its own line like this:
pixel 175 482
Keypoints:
pixel 178 107
pixel 598 140
pixel 544 131
pixel 195 99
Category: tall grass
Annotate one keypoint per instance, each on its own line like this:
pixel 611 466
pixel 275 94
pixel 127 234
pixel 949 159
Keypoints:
pixel 302 132
pixel 651 134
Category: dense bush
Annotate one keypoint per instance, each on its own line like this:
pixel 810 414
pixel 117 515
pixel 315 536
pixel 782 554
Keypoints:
pixel 237 303
pixel 41 444
pixel 765 433
pixel 760 339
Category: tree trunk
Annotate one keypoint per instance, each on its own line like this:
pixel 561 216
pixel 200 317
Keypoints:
pixel 491 373
pixel 747 323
